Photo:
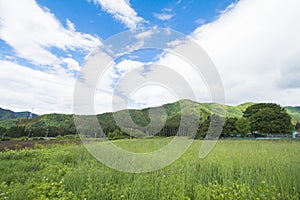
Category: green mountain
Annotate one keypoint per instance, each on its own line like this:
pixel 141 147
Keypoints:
pixel 8 114
pixel 61 124
pixel 294 112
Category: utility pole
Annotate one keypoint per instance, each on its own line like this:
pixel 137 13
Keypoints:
pixel 28 136
pixel 30 114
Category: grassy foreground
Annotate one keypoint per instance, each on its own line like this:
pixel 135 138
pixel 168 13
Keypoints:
pixel 235 169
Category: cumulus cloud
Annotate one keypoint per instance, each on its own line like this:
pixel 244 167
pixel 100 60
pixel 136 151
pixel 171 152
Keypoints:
pixel 194 79
pixel 256 48
pixel 32 31
pixel 71 64
pixel 27 88
pixel 121 11
pixel 111 77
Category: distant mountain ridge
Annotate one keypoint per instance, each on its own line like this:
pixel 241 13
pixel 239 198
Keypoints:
pixel 6 114
pixel 174 110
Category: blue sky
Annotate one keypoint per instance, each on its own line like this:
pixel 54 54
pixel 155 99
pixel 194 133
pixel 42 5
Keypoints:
pixel 43 45
pixel 91 18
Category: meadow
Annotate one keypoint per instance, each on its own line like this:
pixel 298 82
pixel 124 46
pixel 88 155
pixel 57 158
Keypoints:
pixel 235 169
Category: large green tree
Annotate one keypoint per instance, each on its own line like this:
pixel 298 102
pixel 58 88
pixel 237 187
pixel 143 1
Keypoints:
pixel 297 126
pixel 243 126
pixel 268 118
pixel 230 126
pixel 2 132
pixel 203 128
pixel 210 128
pixel 16 131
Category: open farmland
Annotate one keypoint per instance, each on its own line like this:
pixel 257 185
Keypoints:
pixel 235 169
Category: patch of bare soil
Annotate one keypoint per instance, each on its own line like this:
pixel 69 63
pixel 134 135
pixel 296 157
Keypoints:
pixel 13 144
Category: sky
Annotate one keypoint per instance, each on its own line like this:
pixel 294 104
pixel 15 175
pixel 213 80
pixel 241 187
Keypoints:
pixel 254 45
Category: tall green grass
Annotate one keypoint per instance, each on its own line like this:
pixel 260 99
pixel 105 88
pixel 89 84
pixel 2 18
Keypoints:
pixel 235 169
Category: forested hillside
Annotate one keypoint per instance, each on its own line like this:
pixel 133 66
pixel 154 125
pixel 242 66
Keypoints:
pixel 62 124
pixel 294 112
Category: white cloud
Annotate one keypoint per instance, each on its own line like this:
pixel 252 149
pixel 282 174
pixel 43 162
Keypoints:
pixel 109 81
pixel 167 9
pixel 200 21
pixel 71 64
pixel 228 8
pixel 163 16
pixel 145 34
pixel 154 85
pixel 116 71
pixel 127 65
pixel 32 31
pixel 152 95
pixel 256 48
pixel 121 10
pixel 25 88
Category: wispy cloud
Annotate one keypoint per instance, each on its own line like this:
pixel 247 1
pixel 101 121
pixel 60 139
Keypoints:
pixel 228 8
pixel 121 11
pixel 200 21
pixel 163 16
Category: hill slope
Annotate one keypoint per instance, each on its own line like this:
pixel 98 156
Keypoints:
pixel 8 114
pixel 294 112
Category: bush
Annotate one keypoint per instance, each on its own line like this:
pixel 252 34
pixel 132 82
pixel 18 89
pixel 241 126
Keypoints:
pixel 5 138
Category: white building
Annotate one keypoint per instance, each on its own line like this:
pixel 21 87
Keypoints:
pixel 296 135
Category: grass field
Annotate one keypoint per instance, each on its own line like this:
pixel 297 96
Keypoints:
pixel 235 169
